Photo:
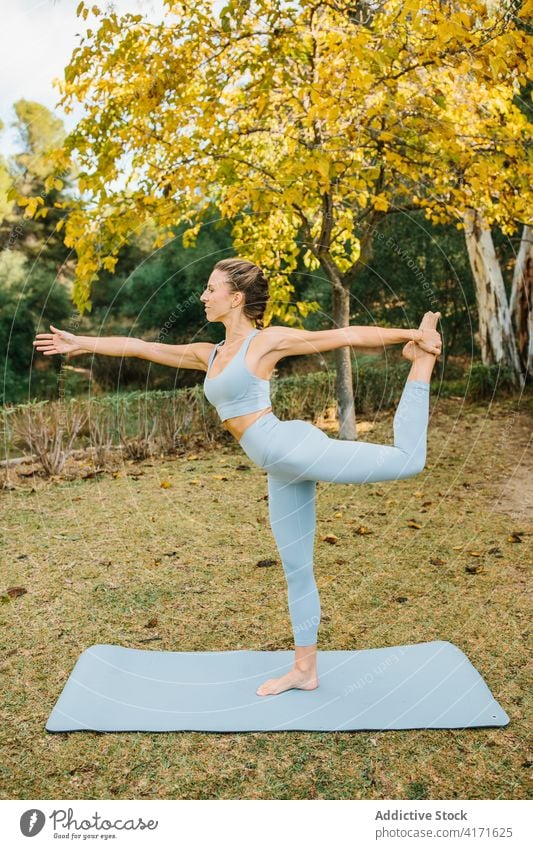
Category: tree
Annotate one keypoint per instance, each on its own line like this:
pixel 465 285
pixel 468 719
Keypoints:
pixel 317 120
pixel 418 266
pixel 31 182
pixel 31 276
pixel 24 297
pixel 496 331
pixel 521 300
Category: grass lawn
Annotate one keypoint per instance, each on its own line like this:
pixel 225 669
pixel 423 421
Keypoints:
pixel 164 555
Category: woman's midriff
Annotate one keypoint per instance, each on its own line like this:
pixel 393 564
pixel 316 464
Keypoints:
pixel 238 424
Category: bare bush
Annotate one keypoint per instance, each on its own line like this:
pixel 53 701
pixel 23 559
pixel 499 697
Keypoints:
pixel 140 447
pixel 49 431
pixel 100 430
pixel 135 426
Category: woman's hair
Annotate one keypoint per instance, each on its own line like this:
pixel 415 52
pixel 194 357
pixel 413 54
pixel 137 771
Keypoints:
pixel 244 276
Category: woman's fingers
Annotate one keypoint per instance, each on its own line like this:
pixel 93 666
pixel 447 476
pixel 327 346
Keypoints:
pixel 46 344
pixel 431 346
pixel 433 338
pixel 58 342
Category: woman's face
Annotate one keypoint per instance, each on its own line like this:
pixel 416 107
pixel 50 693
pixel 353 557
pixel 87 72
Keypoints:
pixel 217 297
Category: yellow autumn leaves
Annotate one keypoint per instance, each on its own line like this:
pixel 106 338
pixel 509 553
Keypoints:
pixel 293 121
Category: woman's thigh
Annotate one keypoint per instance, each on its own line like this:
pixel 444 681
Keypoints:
pixel 298 451
pixel 292 445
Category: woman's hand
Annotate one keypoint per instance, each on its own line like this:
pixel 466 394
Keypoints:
pixel 58 342
pixel 431 342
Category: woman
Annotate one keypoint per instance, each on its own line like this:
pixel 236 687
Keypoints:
pixel 295 454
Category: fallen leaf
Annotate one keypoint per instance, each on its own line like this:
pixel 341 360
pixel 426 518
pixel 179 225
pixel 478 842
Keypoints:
pixel 436 561
pixel 475 569
pixel 152 623
pixel 268 562
pixel 15 592
pixel 166 484
pixel 412 524
pixel 514 537
pixel 331 538
pixel 154 562
pixel 362 530
pixel 401 599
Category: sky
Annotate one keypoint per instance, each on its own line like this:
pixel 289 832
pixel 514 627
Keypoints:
pixel 37 38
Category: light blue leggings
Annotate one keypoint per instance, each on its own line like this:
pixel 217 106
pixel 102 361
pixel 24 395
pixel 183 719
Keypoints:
pixel 296 455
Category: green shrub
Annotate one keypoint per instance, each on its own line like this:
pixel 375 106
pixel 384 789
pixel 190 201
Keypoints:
pixel 165 421
pixel 487 381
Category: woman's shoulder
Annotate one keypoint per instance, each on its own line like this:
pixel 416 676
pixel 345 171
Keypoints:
pixel 268 338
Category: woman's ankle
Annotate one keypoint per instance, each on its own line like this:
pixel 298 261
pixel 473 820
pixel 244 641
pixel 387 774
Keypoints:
pixel 305 658
pixel 422 370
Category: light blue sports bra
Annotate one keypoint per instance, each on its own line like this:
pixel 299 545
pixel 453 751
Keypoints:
pixel 236 391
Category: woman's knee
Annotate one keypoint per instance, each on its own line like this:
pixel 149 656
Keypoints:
pixel 416 464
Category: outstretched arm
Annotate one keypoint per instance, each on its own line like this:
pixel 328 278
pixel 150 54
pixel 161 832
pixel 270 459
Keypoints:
pixel 291 342
pixel 63 342
pixel 194 355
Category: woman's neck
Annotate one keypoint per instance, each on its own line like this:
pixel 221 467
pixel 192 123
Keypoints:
pixel 237 335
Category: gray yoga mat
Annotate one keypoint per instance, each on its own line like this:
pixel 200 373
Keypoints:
pixel 427 685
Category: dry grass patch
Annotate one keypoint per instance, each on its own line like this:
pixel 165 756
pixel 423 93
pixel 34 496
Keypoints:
pixel 165 555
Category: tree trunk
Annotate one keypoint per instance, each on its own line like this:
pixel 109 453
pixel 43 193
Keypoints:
pixel 496 335
pixel 521 301
pixel 343 364
pixel 341 290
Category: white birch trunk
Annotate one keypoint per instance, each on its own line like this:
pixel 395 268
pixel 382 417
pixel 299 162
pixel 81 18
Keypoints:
pixel 521 302
pixel 496 333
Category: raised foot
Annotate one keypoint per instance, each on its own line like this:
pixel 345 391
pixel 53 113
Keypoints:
pixel 295 679
pixel 411 350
